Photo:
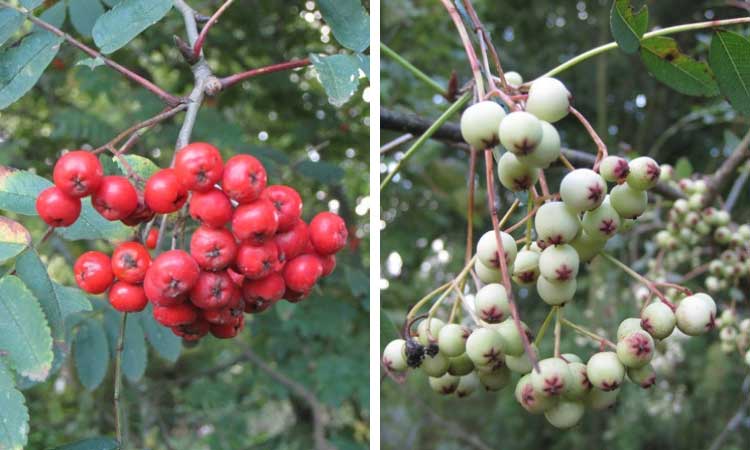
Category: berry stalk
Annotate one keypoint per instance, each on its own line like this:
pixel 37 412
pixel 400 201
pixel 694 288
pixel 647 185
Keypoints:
pixel 645 281
pixel 118 379
pixel 418 74
pixel 586 332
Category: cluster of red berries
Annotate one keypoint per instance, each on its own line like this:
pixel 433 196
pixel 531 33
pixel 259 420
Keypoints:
pixel 269 253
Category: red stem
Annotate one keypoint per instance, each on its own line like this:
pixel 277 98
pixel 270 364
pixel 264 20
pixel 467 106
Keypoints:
pixel 479 29
pixel 198 47
pixel 236 78
pixel 601 147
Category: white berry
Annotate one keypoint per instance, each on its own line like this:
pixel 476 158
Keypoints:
pixel 644 173
pixel 628 202
pixel 583 190
pixel 547 151
pixel 487 250
pixel 549 99
pixel 559 263
pixel 491 303
pixel 394 356
pixel 452 339
pixel 514 175
pixel 605 371
pixel 520 132
pixel 614 168
pixel 555 223
pixel 526 267
pixel 480 123
pixel 556 293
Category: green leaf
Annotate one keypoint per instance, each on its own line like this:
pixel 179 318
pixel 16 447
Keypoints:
pixel 320 171
pixel 628 26
pixel 54 15
pixel 91 225
pixel 22 65
pixel 19 190
pixel 91 353
pixel 10 22
pixel 33 273
pixel 166 343
pixel 31 4
pixel 126 20
pixel 682 73
pixel 14 416
pixel 144 167
pixel 388 330
pixel 14 239
pixel 111 3
pixel 84 13
pixel 364 63
pixel 358 281
pixel 91 63
pixel 730 59
pixel 349 22
pixel 24 332
pixel 98 443
pixel 339 75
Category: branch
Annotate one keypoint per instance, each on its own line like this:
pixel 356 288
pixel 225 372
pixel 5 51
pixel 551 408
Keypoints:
pixel 198 46
pixel 231 80
pixel 723 174
pixel 146 123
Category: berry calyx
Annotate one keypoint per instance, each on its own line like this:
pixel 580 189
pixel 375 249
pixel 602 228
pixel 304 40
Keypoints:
pixel 491 303
pixel 636 349
pixel 487 250
pixel 514 175
pixel 258 261
pixel 520 132
pixel 605 371
pixel 485 347
pixel 556 224
pixel 583 190
pixel 614 169
pixel 171 275
pixel 553 377
pixel 531 399
pixel 559 263
pixel 213 290
pixel 213 248
pixel 644 173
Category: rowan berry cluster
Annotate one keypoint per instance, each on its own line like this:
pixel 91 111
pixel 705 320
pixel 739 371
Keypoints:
pixel 267 253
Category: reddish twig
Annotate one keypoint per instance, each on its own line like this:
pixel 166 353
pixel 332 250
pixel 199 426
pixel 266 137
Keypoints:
pixel 470 53
pixel 236 78
pixel 146 123
pixel 600 146
pixel 543 183
pixel 470 206
pixel 198 47
pixel 482 32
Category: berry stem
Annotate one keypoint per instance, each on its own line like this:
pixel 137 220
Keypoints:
pixel 530 207
pixel 169 112
pixel 601 147
pixel 586 332
pixel 543 328
pixel 118 379
pixel 485 36
pixel 413 311
pixel 635 275
pixel 401 61
pixel 198 47
pixel 456 303
pixel 231 80
pixel 470 205
pixel 676 286
pixel 566 163
pixel 470 53
pixel 558 329
pixel 504 97
pixel 516 203
pixel 543 183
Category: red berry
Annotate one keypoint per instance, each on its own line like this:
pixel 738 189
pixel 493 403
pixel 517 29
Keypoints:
pixel 192 331
pixel 257 261
pixel 256 222
pixel 57 209
pixel 116 198
pixel 228 331
pixel 238 278
pixel 199 166
pixel 244 178
pixel 141 214
pixel 329 264
pixel 93 272
pixel 260 294
pixel 78 173
pixel 164 192
pixel 294 296
pixel 153 238
pixel 172 274
pixel 130 261
pixel 287 203
pixel 126 297
pixel 211 208
pixel 301 273
pixel 172 316
pixel 328 233
pixel 155 293
pixel 213 290
pixel 293 242
pixel 213 249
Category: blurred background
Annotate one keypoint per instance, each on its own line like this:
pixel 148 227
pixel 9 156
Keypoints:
pixel 215 396
pixel 699 398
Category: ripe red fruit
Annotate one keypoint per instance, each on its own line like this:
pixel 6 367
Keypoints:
pixel 93 272
pixel 211 208
pixel 256 222
pixel 287 202
pixel 329 264
pixel 292 243
pixel 126 297
pixel 78 173
pixel 294 296
pixel 301 273
pixel 244 178
pixel 213 290
pixel 116 198
pixel 141 214
pixel 260 294
pixel 172 316
pixel 57 209
pixel 199 166
pixel 155 294
pixel 192 331
pixel 130 261
pixel 172 274
pixel 257 261
pixel 228 331
pixel 221 316
pixel 237 277
pixel 328 233
pixel 153 238
pixel 213 249
pixel 164 192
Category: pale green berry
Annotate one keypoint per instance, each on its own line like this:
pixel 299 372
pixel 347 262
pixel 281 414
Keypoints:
pixel 480 123
pixel 696 201
pixel 644 173
pixel 583 190
pixel 565 414
pixel 747 358
pixel 394 356
pixel 636 349
pixel 520 364
pixel 658 320
pixel 553 377
pixel 728 347
pixel 526 267
pixel 728 334
pixel 467 385
pixel 628 202
pixel 700 186
pixel 713 284
pixel 627 326
pixel 487 251
pixel 580 385
pixel 547 151
pixel 460 365
pixel 425 338
pixel 694 316
pixel 556 224
pixel 491 303
pixel 644 377
pixel 587 247
pixel 681 206
pixel 495 380
pixel 686 184
pixel 601 223
pixel 722 218
pixel 745 326
pixel 444 385
pixel 487 274
pixel 614 168
pixel 667 173
pixel 722 235
pixel 664 240
pixel 514 175
pixel 435 366
pixel 559 263
pixel 452 339
pixel 531 400
pixel 599 400
pixel 627 225
pixel 728 317
pixel 485 347
pixel 556 293
pixel 549 99
pixel 605 371
pixel 704 229
pixel 513 78
pixel 708 300
pixel 520 132
pixel 571 357
pixel 744 231
pixel 512 340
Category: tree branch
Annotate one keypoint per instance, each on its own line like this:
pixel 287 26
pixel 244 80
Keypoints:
pixel 723 175
pixel 231 80
pixel 198 46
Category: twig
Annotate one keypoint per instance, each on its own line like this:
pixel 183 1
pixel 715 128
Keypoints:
pixel 600 146
pixel 146 123
pixel 470 53
pixel 479 28
pixel 558 330
pixel 586 332
pixel 118 379
pixel 236 78
pixel 723 175
pixel 198 46
pixel 394 144
pixel 640 278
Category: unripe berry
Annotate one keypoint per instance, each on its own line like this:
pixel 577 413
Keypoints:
pixel 605 371
pixel 696 202
pixel 580 384
pixel 636 349
pixel 728 334
pixel 57 209
pixel 487 251
pixel 547 150
pixel 435 366
pixel 627 326
pixel 628 202
pixel 452 339
pixel 526 267
pixel 644 173
pixel 658 319
pixel 556 293
pixel 722 235
pixel 496 379
pixel 565 414
pixel 487 274
pixel 556 224
pixel 553 377
pixel 435 325
pixel 520 132
pixel 445 384
pixel 467 385
pixel 460 365
pixel 394 356
pixel 485 347
pixel 747 358
pixel 667 173
pixel 559 263
pixel 513 78
pixel 599 400
pixel 571 357
pixel 491 303
pixel 480 123
pixel 614 168
pixel 744 231
pixel 583 190
pixel 531 400
pixel 601 223
pixel 587 247
pixel 644 376
pixel 548 100
pixel 520 364
pixel 514 175
pixel 694 316
pixel 512 340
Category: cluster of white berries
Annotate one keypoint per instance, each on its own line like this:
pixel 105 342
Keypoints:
pixel 735 337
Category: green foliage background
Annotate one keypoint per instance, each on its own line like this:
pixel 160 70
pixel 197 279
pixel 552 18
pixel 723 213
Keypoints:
pixel 425 216
pixel 211 398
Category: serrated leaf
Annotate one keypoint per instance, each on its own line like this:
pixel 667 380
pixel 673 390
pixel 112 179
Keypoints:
pixel 14 416
pixel 33 273
pixel 729 57
pixel 10 22
pixel 19 190
pixel 91 353
pixel 320 171
pixel 682 73
pixel 628 26
pixel 14 239
pixel 91 63
pixel 161 338
pixel 349 22
pixel 97 443
pixel 144 167
pixel 339 75
pixel 111 3
pixel 91 225
pixel 54 15
pixel 60 355
pixel 84 13
pixel 24 332
pixel 129 18
pixel 22 65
